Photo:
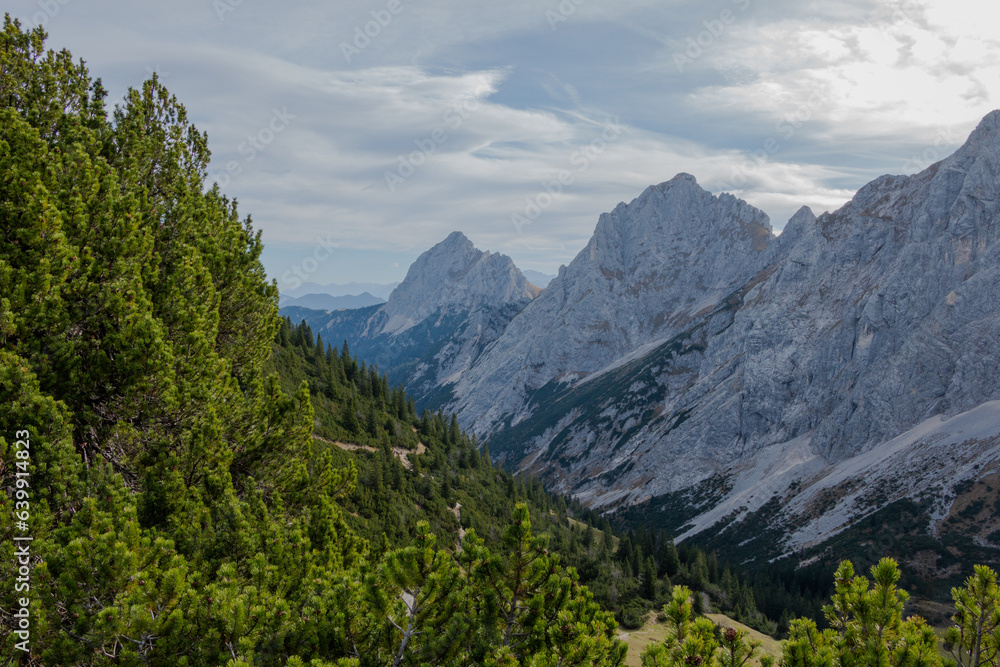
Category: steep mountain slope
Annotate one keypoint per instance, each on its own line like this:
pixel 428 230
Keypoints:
pixel 414 468
pixel 844 333
pixel 454 302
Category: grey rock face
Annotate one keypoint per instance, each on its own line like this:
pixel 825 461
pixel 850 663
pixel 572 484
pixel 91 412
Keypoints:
pixel 685 340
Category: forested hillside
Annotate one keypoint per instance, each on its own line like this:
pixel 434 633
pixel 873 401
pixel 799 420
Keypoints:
pixel 412 469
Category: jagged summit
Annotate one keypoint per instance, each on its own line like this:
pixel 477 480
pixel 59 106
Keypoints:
pixel 670 200
pixel 651 266
pixel 797 225
pixel 453 241
pixel 681 176
pixel 454 303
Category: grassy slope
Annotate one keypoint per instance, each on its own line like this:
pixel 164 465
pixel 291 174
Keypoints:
pixel 654 631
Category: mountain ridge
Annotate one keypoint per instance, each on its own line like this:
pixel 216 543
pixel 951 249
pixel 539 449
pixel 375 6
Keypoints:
pixel 852 329
pixel 608 300
pixel 328 302
pixel 378 290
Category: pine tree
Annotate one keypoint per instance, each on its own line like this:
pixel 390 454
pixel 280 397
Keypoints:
pixel 420 592
pixel 866 626
pixel 670 562
pixel 134 298
pixel 648 589
pixel 529 607
pixel 974 640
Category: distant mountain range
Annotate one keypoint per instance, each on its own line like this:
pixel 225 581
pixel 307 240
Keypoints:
pixel 329 302
pixel 538 278
pixel 378 290
pixel 767 394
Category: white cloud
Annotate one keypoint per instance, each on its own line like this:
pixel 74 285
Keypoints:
pixel 906 74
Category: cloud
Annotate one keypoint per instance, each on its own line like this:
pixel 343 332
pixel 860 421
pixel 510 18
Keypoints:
pixel 461 115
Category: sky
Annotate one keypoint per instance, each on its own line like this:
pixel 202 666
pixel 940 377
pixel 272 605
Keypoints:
pixel 357 134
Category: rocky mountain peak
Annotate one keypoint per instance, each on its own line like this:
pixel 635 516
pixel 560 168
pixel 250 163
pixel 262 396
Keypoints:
pixel 454 274
pixel 681 210
pixel 456 242
pixel 651 267
pixel 678 222
pixel 801 222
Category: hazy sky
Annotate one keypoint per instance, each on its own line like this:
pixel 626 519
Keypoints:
pixel 360 133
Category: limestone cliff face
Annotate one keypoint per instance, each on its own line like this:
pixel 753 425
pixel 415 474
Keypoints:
pixel 686 343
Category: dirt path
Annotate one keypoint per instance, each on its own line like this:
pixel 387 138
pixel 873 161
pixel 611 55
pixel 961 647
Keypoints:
pixel 398 452
pixel 457 509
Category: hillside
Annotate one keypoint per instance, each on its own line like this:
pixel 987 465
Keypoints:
pixel 414 468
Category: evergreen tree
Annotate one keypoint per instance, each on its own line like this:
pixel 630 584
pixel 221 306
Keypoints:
pixel 974 640
pixel 670 562
pixel 866 626
pixel 530 608
pixel 695 641
pixel 648 590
